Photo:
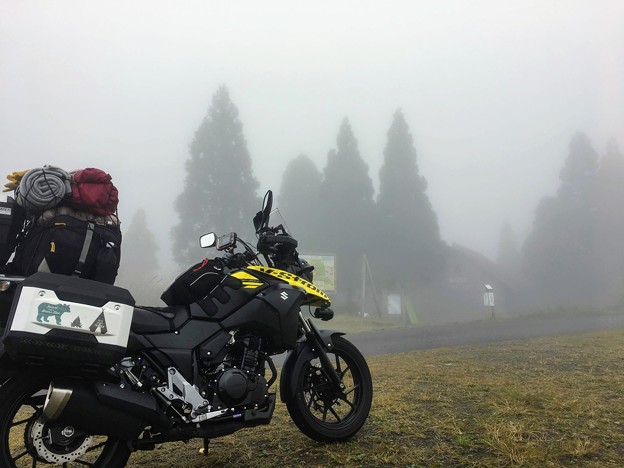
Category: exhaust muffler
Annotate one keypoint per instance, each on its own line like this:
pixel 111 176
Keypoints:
pixel 101 408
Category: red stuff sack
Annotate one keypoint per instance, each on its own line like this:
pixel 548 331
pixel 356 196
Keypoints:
pixel 93 191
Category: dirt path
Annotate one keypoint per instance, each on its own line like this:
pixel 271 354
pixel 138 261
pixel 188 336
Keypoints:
pixel 439 336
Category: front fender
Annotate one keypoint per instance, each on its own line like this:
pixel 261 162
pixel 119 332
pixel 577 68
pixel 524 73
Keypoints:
pixel 296 358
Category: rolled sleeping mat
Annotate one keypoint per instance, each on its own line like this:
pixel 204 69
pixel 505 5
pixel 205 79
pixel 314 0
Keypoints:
pixel 42 188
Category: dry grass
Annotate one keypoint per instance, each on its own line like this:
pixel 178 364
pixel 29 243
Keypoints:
pixel 544 402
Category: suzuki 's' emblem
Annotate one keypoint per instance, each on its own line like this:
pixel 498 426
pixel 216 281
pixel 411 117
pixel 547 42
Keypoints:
pixel 284 296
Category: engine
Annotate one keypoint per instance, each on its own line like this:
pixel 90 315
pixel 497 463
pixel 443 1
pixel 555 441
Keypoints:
pixel 240 382
pixel 225 389
pixel 234 388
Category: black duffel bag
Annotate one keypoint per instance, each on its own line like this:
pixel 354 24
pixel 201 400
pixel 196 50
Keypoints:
pixel 12 217
pixel 70 246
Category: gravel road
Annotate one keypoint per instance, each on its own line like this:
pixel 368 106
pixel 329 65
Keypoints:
pixel 399 340
pixel 439 336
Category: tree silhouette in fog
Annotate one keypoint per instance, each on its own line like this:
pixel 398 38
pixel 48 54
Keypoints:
pixel 347 207
pixel 608 212
pixel 411 248
pixel 508 253
pixel 297 202
pixel 139 259
pixel 219 192
pixel 558 254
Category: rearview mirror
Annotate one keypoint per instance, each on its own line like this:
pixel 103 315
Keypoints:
pixel 208 240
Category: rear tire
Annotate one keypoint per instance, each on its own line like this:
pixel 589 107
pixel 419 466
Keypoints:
pixel 21 419
pixel 319 409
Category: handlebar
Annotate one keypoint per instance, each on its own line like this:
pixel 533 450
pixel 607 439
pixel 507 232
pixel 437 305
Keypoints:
pixel 275 244
pixel 238 260
pixel 266 241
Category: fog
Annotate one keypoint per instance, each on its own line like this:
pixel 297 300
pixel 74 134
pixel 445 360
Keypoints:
pixel 492 93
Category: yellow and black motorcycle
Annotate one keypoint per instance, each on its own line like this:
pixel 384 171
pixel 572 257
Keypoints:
pixel 94 377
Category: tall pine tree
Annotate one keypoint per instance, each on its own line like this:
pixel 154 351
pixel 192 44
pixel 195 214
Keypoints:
pixel 139 269
pixel 347 209
pixel 301 185
pixel 558 254
pixel 220 190
pixel 412 248
pixel 508 252
pixel 139 244
pixel 608 211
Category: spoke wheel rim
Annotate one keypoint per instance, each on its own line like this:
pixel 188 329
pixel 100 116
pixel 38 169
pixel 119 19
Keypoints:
pixel 22 450
pixel 326 404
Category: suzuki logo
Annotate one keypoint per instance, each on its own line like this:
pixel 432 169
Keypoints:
pixel 284 296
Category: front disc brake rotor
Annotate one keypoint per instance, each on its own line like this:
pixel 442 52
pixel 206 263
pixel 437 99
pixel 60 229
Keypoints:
pixel 68 448
pixel 320 388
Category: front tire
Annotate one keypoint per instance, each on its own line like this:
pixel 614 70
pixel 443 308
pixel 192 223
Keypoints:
pixel 319 409
pixel 23 429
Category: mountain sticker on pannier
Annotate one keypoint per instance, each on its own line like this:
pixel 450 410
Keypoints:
pixel 100 323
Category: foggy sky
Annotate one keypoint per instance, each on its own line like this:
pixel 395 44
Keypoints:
pixel 492 92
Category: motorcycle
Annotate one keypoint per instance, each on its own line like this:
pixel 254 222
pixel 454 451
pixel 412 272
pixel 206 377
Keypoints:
pixel 89 377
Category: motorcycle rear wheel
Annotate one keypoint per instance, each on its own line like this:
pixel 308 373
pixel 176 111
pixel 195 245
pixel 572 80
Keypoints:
pixel 326 413
pixel 22 420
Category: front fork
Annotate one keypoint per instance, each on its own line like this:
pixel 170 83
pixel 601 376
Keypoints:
pixel 318 345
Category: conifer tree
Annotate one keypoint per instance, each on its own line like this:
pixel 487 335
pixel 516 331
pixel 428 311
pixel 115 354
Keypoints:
pixel 558 255
pixel 140 248
pixel 139 261
pixel 608 224
pixel 412 248
pixel 299 192
pixel 219 192
pixel 347 208
pixel 508 253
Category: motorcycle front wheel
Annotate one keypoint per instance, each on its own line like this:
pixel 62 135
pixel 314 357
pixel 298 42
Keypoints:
pixel 324 412
pixel 27 439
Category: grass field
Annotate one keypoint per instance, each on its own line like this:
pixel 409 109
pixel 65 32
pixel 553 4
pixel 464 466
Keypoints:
pixel 540 402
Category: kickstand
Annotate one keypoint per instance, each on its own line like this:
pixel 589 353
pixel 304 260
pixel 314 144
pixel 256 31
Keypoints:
pixel 204 451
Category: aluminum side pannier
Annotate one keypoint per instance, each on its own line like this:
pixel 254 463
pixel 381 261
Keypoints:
pixel 68 321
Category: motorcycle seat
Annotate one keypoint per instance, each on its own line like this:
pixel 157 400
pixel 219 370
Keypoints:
pixel 147 320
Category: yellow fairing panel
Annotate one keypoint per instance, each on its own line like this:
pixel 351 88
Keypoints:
pixel 293 280
pixel 249 281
